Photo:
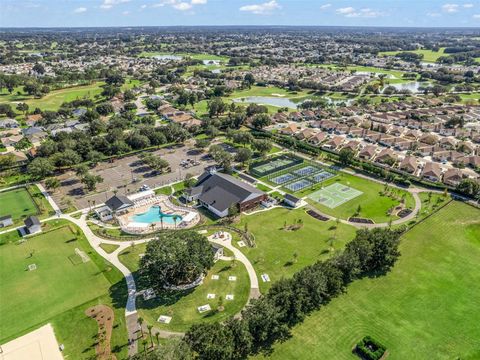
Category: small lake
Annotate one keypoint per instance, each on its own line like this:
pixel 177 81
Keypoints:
pixel 265 100
pixel 167 57
pixel 285 102
pixel 211 62
pixel 413 86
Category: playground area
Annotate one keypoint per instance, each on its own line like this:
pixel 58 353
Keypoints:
pixel 334 195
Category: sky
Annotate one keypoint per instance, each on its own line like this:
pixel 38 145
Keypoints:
pixel 88 13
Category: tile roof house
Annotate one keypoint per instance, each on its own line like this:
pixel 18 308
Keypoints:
pixel 218 192
pixel 432 172
pixel 452 177
pixel 409 164
pixel 368 152
pixel 386 156
pixel 290 129
pixel 318 138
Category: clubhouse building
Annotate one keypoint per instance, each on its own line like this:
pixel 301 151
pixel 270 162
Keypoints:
pixel 219 192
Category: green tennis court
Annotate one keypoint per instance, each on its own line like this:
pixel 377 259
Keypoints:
pixel 334 195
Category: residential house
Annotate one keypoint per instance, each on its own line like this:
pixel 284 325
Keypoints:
pixel 290 129
pixel 409 164
pixel 9 123
pixel 452 177
pixel 431 171
pixel 386 156
pixel 368 152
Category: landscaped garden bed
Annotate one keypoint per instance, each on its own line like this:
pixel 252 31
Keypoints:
pixel 316 215
pixel 370 349
pixel 361 220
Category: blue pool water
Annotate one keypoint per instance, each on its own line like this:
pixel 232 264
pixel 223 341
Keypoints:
pixel 153 215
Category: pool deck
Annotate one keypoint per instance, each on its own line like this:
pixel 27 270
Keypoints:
pixel 188 216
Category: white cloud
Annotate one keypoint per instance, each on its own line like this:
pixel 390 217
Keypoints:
pixel 108 4
pixel 450 8
pixel 262 9
pixel 476 16
pixel 468 6
pixel 433 14
pixel 80 10
pixel 143 6
pixel 325 6
pixel 180 5
pixel 346 10
pixel 125 12
pixel 353 13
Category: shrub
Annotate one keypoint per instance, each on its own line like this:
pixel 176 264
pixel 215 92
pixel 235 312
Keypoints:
pixel 370 349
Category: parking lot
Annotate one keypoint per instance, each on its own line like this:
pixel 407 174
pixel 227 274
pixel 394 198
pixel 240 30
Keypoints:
pixel 128 174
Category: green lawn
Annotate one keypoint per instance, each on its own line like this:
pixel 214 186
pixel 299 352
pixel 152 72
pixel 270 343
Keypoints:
pixel 182 306
pixel 275 247
pixel 109 248
pixel 59 290
pixel 428 55
pixel 18 204
pixel 373 205
pixel 425 308
pixel 55 98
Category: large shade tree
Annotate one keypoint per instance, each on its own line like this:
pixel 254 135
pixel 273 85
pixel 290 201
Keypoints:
pixel 176 259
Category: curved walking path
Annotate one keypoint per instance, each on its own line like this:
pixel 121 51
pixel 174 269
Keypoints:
pixel 227 242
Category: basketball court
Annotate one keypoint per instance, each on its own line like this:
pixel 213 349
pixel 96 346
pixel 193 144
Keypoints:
pixel 334 195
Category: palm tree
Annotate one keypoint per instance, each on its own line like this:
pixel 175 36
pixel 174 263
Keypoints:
pixel 150 327
pixel 140 322
pixel 175 219
pixel 157 336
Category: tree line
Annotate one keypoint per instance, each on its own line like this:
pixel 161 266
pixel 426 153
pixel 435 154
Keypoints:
pixel 268 320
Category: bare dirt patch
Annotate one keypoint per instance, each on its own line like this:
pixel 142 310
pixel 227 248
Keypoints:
pixel 104 317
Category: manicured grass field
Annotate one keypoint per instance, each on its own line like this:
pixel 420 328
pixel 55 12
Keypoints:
pixel 428 55
pixel 55 98
pixel 373 205
pixel 59 290
pixel 18 204
pixel 275 246
pixel 182 306
pixel 425 308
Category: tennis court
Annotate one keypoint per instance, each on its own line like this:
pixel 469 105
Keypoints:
pixel 270 166
pixel 334 195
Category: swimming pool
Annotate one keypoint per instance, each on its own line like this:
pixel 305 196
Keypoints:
pixel 153 215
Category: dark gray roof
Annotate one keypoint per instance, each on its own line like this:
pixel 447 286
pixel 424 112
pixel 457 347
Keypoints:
pixel 222 191
pixel 291 198
pixel 6 217
pixel 32 130
pixel 31 221
pixel 117 202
